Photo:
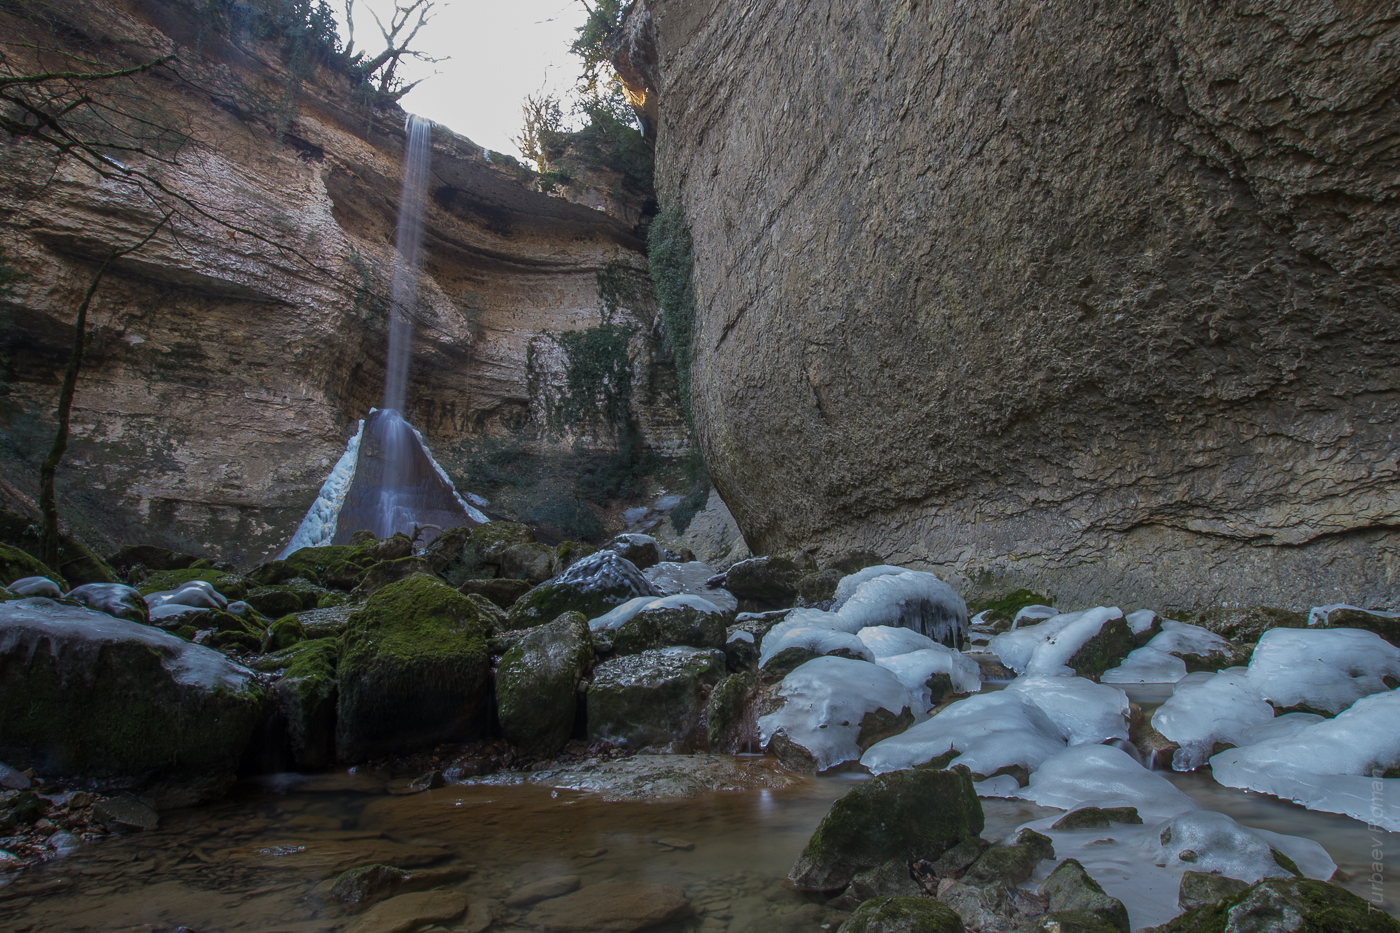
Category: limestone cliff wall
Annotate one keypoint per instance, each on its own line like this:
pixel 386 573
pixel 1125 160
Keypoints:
pixel 1097 298
pixel 226 372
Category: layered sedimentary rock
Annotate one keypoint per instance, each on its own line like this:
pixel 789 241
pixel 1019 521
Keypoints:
pixel 230 362
pixel 1099 299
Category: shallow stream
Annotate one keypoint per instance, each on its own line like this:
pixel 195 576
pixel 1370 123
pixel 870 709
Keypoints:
pixel 261 860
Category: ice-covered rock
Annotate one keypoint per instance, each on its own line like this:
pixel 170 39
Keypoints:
pixel 1192 642
pixel 1029 615
pixel 1140 622
pixel 594 586
pixel 198 593
pixel 1063 644
pixel 913 600
pixel 1204 711
pixel 937 668
pixel 318 527
pixel 886 641
pixel 988 732
pixel 1203 840
pixel 848 585
pixel 670 578
pixel 1324 670
pixel 1103 776
pixel 1081 710
pixel 835 708
pixel 1146 665
pixel 115 599
pixel 1337 765
pixel 806 634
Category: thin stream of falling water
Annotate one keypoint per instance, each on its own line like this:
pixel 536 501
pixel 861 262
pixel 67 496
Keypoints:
pixel 417 160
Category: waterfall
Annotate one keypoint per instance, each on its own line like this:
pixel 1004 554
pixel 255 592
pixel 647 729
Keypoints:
pixel 417 159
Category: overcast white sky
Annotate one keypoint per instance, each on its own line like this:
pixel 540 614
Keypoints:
pixel 501 50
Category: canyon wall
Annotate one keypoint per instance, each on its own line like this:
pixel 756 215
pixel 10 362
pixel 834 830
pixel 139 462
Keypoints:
pixel 1095 298
pixel 228 368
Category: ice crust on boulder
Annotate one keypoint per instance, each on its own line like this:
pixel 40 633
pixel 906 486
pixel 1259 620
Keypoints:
pixel 1032 614
pixel 1146 665
pixel 1046 647
pixel 824 702
pixel 36 587
pixel 614 618
pixel 670 578
pixel 887 641
pixel 1082 711
pixel 199 594
pixel 912 599
pixel 1213 842
pixel 1203 711
pixel 1324 669
pixel 1103 776
pixel 914 669
pixel 318 527
pixel 811 635
pixel 1327 764
pixel 1140 621
pixel 846 587
pixel 1319 615
pixel 990 731
pixel 1181 638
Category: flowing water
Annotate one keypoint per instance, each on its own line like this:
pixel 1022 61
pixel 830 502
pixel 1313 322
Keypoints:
pixel 262 860
pixel 417 161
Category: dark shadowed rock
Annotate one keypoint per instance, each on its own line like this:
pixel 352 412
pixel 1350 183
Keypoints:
pixel 115 599
pixel 656 698
pixel 537 684
pixel 1070 890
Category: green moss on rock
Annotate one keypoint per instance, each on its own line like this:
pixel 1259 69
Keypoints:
pixel 77 562
pixel 730 724
pixel 903 915
pixel 414 670
pixel 16 564
pixel 1011 865
pixel 1299 905
pixel 306 692
pixel 1245 625
pixel 915 814
pixel 1070 889
pixel 1097 818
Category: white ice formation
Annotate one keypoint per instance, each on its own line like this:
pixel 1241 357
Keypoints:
pixel 318 527
pixel 1045 648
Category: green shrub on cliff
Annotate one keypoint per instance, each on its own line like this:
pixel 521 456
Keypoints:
pixel 671 258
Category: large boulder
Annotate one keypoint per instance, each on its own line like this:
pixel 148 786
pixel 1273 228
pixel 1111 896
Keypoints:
pixel 654 699
pixel 414 670
pixel 1246 625
pixel 770 582
pixel 1008 303
pixel 87 696
pixel 902 915
pixel 1298 905
pixel 537 684
pixel 115 599
pixel 1072 894
pixel 306 693
pixel 592 586
pixel 915 814
pixel 461 554
pixel 77 562
pixel 667 625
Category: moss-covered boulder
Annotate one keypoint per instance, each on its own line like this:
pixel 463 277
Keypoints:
pixel 365 885
pixel 1203 888
pixel 568 553
pixel 285 633
pixel 1011 865
pixel 337 567
pixel 499 591
pixel 818 589
pixel 665 626
pixel 77 562
pixel 1385 626
pixel 150 557
pixel 1070 890
pixel 287 597
pixel 414 670
pixel 533 563
pixel 593 586
pixel 16 564
pixel 1298 905
pixel 1245 625
pixel 902 915
pixel 1107 649
pixel 764 580
pixel 462 554
pixel 916 814
pixel 1097 818
pixel 654 699
pixel 537 684
pixel 389 571
pixel 731 720
pixel 306 692
pixel 87 696
pixel 231 586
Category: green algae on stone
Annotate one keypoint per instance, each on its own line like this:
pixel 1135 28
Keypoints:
pixel 283 634
pixel 90 697
pixel 287 597
pixel 1107 649
pixel 385 572
pixel 915 814
pixel 1070 889
pixel 306 692
pixel 1096 818
pixel 537 684
pixel 1384 626
pixel 903 915
pixel 1011 865
pixel 1299 905
pixel 1201 888
pixel 16 564
pixel 414 670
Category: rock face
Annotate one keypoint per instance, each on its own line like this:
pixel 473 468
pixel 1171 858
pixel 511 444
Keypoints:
pixel 225 374
pixel 95 698
pixel 1087 298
